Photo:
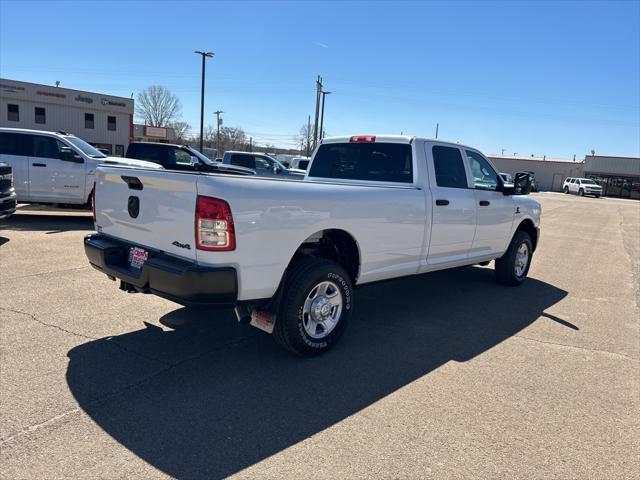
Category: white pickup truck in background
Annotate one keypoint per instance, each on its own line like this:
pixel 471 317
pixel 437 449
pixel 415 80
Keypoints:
pixel 286 254
pixel 54 167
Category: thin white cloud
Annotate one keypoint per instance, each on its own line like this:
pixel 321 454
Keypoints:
pixel 321 45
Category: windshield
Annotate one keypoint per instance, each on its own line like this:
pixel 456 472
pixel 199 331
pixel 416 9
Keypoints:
pixel 200 156
pixel 86 148
pixel 588 182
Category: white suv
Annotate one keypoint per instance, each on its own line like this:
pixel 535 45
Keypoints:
pixel 582 186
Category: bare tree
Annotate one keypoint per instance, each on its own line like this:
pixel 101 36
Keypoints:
pixel 157 106
pixel 305 138
pixel 181 130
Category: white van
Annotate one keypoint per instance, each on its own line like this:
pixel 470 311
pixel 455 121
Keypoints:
pixel 54 167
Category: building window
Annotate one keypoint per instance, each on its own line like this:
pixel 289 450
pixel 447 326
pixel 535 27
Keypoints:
pixel 41 116
pixel 13 113
pixel 111 123
pixel 88 120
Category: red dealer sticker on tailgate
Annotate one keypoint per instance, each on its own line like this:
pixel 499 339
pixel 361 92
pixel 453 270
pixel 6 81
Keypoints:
pixel 137 257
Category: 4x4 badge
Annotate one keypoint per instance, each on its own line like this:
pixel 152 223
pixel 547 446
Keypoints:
pixel 181 245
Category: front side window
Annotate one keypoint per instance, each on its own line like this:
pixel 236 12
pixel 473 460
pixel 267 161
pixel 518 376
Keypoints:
pixel 449 168
pixel 263 163
pixel 45 147
pixel 16 144
pixel 381 162
pixel 13 112
pixel 181 157
pixel 484 177
pixel 40 115
pixel 111 123
pixel 88 120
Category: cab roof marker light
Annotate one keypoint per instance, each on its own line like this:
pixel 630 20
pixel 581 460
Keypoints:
pixel 363 139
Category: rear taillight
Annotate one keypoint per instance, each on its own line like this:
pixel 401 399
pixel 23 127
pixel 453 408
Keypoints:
pixel 214 225
pixel 363 139
pixel 92 198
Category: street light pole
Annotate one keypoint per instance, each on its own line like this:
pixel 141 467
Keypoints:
pixel 322 115
pixel 205 55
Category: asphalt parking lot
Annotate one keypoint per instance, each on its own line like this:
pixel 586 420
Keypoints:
pixel 447 375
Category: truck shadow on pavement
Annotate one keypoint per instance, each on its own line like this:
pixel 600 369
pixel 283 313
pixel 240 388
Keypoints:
pixel 214 397
pixel 48 223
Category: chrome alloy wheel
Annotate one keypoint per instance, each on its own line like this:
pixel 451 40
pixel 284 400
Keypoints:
pixel 522 259
pixel 322 309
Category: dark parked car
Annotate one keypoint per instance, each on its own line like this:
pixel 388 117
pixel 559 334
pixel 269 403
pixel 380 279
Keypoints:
pixel 180 157
pixel 7 192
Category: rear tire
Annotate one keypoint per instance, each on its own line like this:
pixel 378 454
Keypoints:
pixel 566 190
pixel 317 303
pixel 513 266
pixel 597 195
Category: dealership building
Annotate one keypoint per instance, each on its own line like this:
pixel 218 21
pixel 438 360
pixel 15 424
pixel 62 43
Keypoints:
pixel 104 121
pixel 618 176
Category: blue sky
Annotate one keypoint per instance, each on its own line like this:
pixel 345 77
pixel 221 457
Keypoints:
pixel 543 78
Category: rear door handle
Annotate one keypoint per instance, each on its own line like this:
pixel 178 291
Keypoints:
pixel 442 202
pixel 39 164
pixel 484 203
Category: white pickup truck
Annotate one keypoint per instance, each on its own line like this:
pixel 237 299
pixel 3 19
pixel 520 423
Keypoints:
pixel 286 254
pixel 54 167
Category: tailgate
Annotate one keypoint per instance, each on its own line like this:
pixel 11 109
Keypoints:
pixel 150 208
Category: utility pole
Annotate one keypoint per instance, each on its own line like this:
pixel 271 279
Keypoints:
pixel 437 127
pixel 315 125
pixel 205 55
pixel 251 144
pixel 218 122
pixel 322 115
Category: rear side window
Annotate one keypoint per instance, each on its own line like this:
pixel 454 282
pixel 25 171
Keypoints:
pixel 303 164
pixel 247 161
pixel 151 153
pixel 449 169
pixel 381 162
pixel 16 144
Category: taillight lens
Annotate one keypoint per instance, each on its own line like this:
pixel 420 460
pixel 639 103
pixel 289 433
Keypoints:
pixel 363 139
pixel 214 225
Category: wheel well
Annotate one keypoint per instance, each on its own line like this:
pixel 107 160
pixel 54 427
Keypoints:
pixel 527 226
pixel 336 245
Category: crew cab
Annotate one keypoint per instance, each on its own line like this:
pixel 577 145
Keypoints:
pixel 53 167
pixel 7 192
pixel 262 164
pixel 287 254
pixel 582 186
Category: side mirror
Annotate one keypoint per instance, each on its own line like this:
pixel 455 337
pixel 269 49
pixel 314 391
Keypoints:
pixel 68 154
pixel 508 188
pixel 194 160
pixel 522 183
pixel 276 169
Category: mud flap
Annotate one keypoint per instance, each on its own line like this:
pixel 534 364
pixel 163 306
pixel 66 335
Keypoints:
pixel 265 321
